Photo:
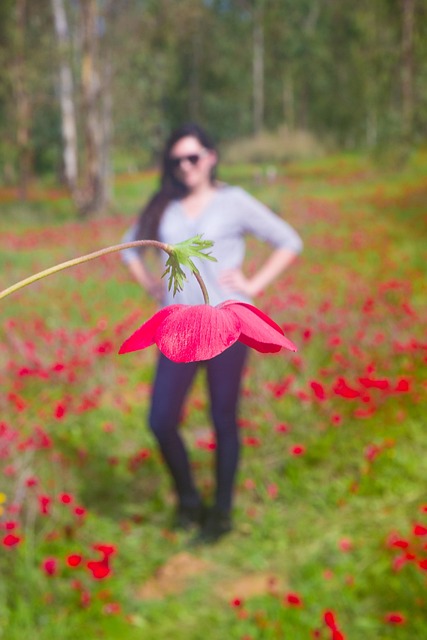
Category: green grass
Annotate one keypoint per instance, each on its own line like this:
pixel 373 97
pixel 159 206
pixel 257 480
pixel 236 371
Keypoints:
pixel 316 524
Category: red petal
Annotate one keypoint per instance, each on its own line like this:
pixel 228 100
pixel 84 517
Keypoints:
pixel 145 336
pixel 258 330
pixel 196 333
pixel 100 569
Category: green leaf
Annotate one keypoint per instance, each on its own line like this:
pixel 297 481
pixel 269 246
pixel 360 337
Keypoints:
pixel 181 255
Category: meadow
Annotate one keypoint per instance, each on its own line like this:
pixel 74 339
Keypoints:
pixel 330 537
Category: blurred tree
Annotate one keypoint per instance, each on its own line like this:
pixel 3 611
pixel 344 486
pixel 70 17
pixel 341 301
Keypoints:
pixel 354 74
pixel 66 96
pixel 22 97
pixel 88 172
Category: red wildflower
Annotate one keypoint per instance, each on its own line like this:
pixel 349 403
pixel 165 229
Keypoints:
pixel 106 549
pixel 371 383
pixel 402 385
pixel 419 530
pixel 318 390
pixel 251 441
pixel 297 450
pixel 398 542
pixel 342 389
pixel 60 411
pixel 10 540
pixel 100 568
pixel 400 561
pixel 186 333
pixel 49 566
pixel 273 490
pixel 345 544
pixel 329 619
pixel 293 599
pixel 282 428
pixel 395 618
pixel 112 608
pixel 44 504
pixel 336 419
pixel 74 560
pixel 236 602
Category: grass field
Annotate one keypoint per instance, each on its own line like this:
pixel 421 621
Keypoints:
pixel 330 536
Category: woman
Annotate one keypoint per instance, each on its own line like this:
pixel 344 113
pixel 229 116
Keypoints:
pixel 190 201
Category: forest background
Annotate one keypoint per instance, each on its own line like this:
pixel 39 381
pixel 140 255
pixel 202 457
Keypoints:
pixel 91 87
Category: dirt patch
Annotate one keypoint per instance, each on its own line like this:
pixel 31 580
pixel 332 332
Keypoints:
pixel 250 585
pixel 174 576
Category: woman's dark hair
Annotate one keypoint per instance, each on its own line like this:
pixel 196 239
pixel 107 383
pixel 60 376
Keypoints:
pixel 170 187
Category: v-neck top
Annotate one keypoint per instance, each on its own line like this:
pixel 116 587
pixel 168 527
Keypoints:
pixel 228 217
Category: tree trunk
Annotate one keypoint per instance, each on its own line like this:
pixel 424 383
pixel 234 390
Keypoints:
pixel 91 196
pixel 107 133
pixel 22 101
pixel 258 71
pixel 66 96
pixel 408 20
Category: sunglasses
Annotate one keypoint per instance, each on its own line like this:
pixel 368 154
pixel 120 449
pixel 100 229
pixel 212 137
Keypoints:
pixel 193 158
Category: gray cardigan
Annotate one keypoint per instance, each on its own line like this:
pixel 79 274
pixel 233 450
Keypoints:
pixel 230 215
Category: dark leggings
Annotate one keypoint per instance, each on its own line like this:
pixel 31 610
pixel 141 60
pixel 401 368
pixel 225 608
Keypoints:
pixel 171 385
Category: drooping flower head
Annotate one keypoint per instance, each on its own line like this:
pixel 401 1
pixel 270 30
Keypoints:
pixel 187 333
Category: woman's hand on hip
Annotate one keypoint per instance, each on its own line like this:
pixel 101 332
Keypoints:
pixel 235 280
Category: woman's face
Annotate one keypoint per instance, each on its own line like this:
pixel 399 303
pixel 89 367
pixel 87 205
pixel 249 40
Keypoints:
pixel 192 163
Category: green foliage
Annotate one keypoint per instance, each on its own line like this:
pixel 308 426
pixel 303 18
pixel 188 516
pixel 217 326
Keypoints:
pixel 181 257
pixel 331 72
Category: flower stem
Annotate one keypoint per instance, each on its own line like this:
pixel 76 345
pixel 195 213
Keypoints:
pixel 169 249
pixel 202 285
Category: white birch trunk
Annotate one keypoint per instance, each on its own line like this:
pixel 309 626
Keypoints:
pixel 66 97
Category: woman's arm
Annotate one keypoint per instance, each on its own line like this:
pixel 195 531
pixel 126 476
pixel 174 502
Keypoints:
pixel 278 261
pixel 134 261
pixel 147 281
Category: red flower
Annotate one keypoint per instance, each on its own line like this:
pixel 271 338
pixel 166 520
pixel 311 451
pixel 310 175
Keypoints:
pixel 345 544
pixel 342 389
pixel 100 568
pixel 106 549
pixel 49 566
pixel 297 450
pixel 402 385
pixel 329 618
pixel 419 530
pixel 74 560
pixel 44 503
pixel 395 618
pixel 236 602
pixel 318 390
pixel 186 333
pixel 293 599
pixel 10 540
